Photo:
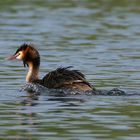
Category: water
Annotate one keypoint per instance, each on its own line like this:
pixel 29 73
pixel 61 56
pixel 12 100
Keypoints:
pixel 100 38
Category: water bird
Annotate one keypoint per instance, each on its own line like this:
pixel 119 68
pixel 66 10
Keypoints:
pixel 62 77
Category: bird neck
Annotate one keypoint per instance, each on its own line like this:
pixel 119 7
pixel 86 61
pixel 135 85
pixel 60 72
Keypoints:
pixel 33 72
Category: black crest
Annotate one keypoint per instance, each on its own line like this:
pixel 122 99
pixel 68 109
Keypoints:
pixel 22 48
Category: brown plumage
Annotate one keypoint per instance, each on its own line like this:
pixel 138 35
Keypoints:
pixel 59 78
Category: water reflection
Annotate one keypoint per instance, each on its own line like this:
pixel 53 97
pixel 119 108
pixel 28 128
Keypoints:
pixel 98 117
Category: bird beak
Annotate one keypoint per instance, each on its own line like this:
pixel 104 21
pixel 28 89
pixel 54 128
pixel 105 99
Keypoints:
pixel 13 57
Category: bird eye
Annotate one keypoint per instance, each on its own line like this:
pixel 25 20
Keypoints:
pixel 19 55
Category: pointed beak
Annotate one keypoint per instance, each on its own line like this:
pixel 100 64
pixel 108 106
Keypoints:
pixel 13 57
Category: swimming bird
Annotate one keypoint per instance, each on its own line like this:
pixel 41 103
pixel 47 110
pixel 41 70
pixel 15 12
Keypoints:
pixel 62 77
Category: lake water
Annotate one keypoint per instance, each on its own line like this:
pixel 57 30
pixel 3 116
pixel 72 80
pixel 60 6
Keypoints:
pixel 99 37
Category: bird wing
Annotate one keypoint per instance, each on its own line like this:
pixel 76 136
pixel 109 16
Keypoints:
pixel 62 77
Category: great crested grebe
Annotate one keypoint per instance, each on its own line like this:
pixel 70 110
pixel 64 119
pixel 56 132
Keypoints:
pixel 57 79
